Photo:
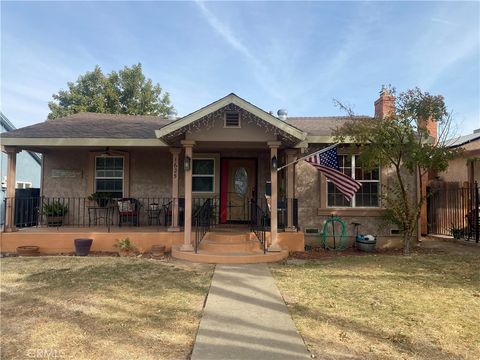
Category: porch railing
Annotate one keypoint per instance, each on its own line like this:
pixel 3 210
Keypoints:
pixel 284 207
pixel 258 223
pixel 202 219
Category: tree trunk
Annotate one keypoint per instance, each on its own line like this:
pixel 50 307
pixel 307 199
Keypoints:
pixel 406 243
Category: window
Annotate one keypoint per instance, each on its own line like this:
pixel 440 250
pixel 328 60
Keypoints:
pixel 109 175
pixel 232 119
pixel 366 196
pixel 203 175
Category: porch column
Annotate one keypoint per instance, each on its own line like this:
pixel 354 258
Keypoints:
pixel 273 200
pixel 175 171
pixel 291 156
pixel 10 193
pixel 187 243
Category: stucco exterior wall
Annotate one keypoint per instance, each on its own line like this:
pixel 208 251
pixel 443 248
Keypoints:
pixel 151 173
pixel 457 171
pixel 71 160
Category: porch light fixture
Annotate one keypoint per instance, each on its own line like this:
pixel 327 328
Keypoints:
pixel 274 163
pixel 187 163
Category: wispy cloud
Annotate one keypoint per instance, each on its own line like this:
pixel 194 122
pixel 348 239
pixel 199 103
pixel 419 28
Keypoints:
pixel 226 33
pixel 263 76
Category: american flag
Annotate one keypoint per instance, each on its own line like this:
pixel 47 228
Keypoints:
pixel 327 163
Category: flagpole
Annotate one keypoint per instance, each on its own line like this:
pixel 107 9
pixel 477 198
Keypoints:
pixel 306 156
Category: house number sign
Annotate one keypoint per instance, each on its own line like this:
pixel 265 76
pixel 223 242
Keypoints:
pixel 175 167
pixel 66 173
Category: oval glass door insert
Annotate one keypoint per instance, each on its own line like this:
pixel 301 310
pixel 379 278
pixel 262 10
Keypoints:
pixel 241 181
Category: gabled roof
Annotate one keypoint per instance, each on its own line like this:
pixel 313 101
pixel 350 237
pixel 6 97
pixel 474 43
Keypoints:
pixel 183 123
pixel 97 129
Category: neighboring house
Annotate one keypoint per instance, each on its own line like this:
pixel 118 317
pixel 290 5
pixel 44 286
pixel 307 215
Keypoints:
pixel 224 152
pixel 28 167
pixel 452 196
pixel 466 167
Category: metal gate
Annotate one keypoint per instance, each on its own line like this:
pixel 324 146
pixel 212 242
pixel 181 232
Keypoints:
pixel 454 211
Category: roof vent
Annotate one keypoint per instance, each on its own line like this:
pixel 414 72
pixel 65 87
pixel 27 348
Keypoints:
pixel 282 114
pixel 172 114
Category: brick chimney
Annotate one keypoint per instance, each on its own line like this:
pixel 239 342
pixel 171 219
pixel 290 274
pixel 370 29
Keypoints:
pixel 385 104
pixel 431 126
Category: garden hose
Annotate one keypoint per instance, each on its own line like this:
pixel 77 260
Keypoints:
pixel 342 245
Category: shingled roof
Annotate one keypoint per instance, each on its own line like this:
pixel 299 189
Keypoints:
pixel 321 125
pixel 93 125
pixel 115 126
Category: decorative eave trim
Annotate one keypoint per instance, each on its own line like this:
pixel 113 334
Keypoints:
pixel 81 142
pixel 231 98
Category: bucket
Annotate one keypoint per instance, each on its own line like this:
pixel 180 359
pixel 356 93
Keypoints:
pixel 366 243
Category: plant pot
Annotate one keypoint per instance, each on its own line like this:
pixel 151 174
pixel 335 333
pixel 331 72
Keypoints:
pixel 54 220
pixel 82 246
pixel 28 251
pixel 158 250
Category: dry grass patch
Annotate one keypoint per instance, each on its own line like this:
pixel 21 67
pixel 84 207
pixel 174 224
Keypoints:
pixel 101 307
pixel 386 307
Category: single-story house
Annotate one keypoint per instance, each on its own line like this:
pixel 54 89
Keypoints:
pixel 163 174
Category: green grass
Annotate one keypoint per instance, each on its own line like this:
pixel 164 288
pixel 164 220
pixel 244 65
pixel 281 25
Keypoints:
pixel 100 307
pixel 386 307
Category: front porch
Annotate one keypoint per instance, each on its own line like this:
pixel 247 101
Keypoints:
pixel 213 167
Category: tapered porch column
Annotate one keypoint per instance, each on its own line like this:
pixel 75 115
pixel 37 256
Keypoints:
pixel 187 241
pixel 10 193
pixel 291 157
pixel 274 199
pixel 175 176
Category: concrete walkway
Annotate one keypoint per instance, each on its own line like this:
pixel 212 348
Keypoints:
pixel 245 318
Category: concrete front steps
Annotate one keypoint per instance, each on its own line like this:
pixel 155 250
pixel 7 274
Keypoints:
pixel 229 248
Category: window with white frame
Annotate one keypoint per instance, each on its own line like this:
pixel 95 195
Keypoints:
pixel 369 193
pixel 109 175
pixel 203 175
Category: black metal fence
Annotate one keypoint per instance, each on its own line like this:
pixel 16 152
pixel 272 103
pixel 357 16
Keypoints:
pixel 85 212
pixel 454 211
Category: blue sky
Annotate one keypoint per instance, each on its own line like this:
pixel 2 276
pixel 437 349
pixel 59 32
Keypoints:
pixel 293 55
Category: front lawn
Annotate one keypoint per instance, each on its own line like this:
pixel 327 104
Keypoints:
pixel 426 306
pixel 100 307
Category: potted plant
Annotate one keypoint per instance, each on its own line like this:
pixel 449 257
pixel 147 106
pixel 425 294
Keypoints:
pixel 54 212
pixel 101 198
pixel 125 247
